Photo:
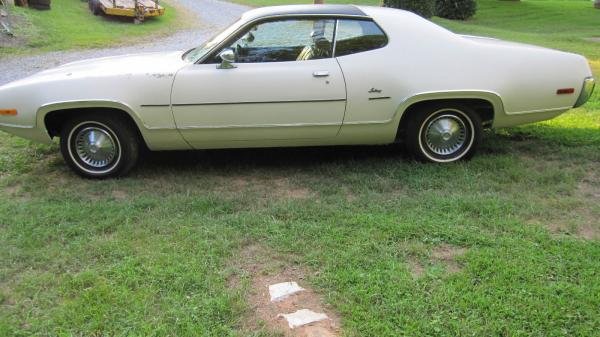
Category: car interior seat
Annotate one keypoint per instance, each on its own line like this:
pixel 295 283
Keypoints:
pixel 320 48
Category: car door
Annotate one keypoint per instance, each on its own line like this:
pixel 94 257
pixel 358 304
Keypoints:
pixel 283 84
pixel 373 91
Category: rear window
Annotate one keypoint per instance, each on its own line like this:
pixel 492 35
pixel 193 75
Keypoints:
pixel 356 36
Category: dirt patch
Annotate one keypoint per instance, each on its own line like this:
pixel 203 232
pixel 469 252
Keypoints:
pixel 581 222
pixel 447 252
pixel 283 188
pixel 447 255
pixel 15 192
pixel 239 183
pixel 588 232
pixel 277 187
pixel 416 268
pixel 444 254
pixel 119 195
pixel 578 221
pixel 5 299
pixel 262 267
pixel 12 190
pixel 589 187
pixel 350 196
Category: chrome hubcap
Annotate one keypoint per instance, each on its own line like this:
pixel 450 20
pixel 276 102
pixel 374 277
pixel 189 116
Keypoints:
pixel 445 135
pixel 95 147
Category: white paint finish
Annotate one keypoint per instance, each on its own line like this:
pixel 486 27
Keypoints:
pixel 364 71
pixel 281 291
pixel 428 58
pixel 303 317
pixel 422 61
pixel 122 82
pixel 248 99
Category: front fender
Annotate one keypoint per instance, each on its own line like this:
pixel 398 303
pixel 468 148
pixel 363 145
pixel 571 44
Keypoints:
pixel 69 105
pixel 155 138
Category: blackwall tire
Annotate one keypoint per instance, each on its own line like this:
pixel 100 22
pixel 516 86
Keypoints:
pixel 99 146
pixel 443 133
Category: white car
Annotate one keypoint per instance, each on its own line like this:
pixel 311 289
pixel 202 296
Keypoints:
pixel 297 76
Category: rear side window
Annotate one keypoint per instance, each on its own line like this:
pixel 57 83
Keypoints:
pixel 355 36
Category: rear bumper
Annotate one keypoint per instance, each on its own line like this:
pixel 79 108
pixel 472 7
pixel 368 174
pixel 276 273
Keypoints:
pixel 586 92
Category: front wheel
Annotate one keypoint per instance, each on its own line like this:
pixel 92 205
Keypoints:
pixel 99 146
pixel 443 133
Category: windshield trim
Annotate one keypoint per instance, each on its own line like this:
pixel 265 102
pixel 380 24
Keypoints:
pixel 183 56
pixel 213 41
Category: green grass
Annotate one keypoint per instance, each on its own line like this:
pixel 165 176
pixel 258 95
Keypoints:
pixel 152 254
pixel 71 25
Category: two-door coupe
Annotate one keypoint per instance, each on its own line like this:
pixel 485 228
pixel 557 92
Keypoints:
pixel 297 76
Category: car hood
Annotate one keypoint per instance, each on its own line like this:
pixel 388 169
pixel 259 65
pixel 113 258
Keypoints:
pixel 160 64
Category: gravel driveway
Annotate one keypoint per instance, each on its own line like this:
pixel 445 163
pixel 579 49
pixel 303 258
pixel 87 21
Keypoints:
pixel 213 15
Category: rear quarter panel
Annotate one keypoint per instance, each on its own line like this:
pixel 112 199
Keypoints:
pixel 423 58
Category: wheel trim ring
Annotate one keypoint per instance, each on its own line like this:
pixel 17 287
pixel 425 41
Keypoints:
pixel 470 130
pixel 78 162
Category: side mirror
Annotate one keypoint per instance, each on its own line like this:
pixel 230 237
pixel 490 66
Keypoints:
pixel 227 58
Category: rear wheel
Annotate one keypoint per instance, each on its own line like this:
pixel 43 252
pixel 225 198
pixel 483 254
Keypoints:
pixel 99 146
pixel 443 133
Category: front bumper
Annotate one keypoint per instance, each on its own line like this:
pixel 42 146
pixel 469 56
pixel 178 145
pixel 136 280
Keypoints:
pixel 588 88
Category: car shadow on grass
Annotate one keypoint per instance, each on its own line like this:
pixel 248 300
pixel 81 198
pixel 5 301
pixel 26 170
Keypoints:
pixel 312 159
pixel 274 158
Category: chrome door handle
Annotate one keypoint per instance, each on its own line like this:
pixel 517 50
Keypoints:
pixel 322 73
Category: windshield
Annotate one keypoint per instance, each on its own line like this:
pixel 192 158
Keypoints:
pixel 197 53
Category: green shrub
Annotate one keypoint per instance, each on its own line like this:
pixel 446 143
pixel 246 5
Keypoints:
pixel 425 8
pixel 455 9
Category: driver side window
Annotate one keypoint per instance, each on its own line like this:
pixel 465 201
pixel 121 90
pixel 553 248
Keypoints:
pixel 285 40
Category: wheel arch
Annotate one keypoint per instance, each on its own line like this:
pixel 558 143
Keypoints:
pixel 488 105
pixel 52 116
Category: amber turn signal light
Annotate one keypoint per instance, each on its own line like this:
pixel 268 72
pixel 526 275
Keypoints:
pixel 8 112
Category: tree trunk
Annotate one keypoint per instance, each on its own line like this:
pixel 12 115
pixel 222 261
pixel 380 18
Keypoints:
pixel 319 2
pixel 597 4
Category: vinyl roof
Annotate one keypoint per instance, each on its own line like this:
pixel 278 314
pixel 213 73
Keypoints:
pixel 333 10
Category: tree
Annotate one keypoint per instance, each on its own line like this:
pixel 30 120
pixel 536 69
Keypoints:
pixel 424 8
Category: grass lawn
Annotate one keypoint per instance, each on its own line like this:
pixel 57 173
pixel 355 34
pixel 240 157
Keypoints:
pixel 505 244
pixel 71 25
